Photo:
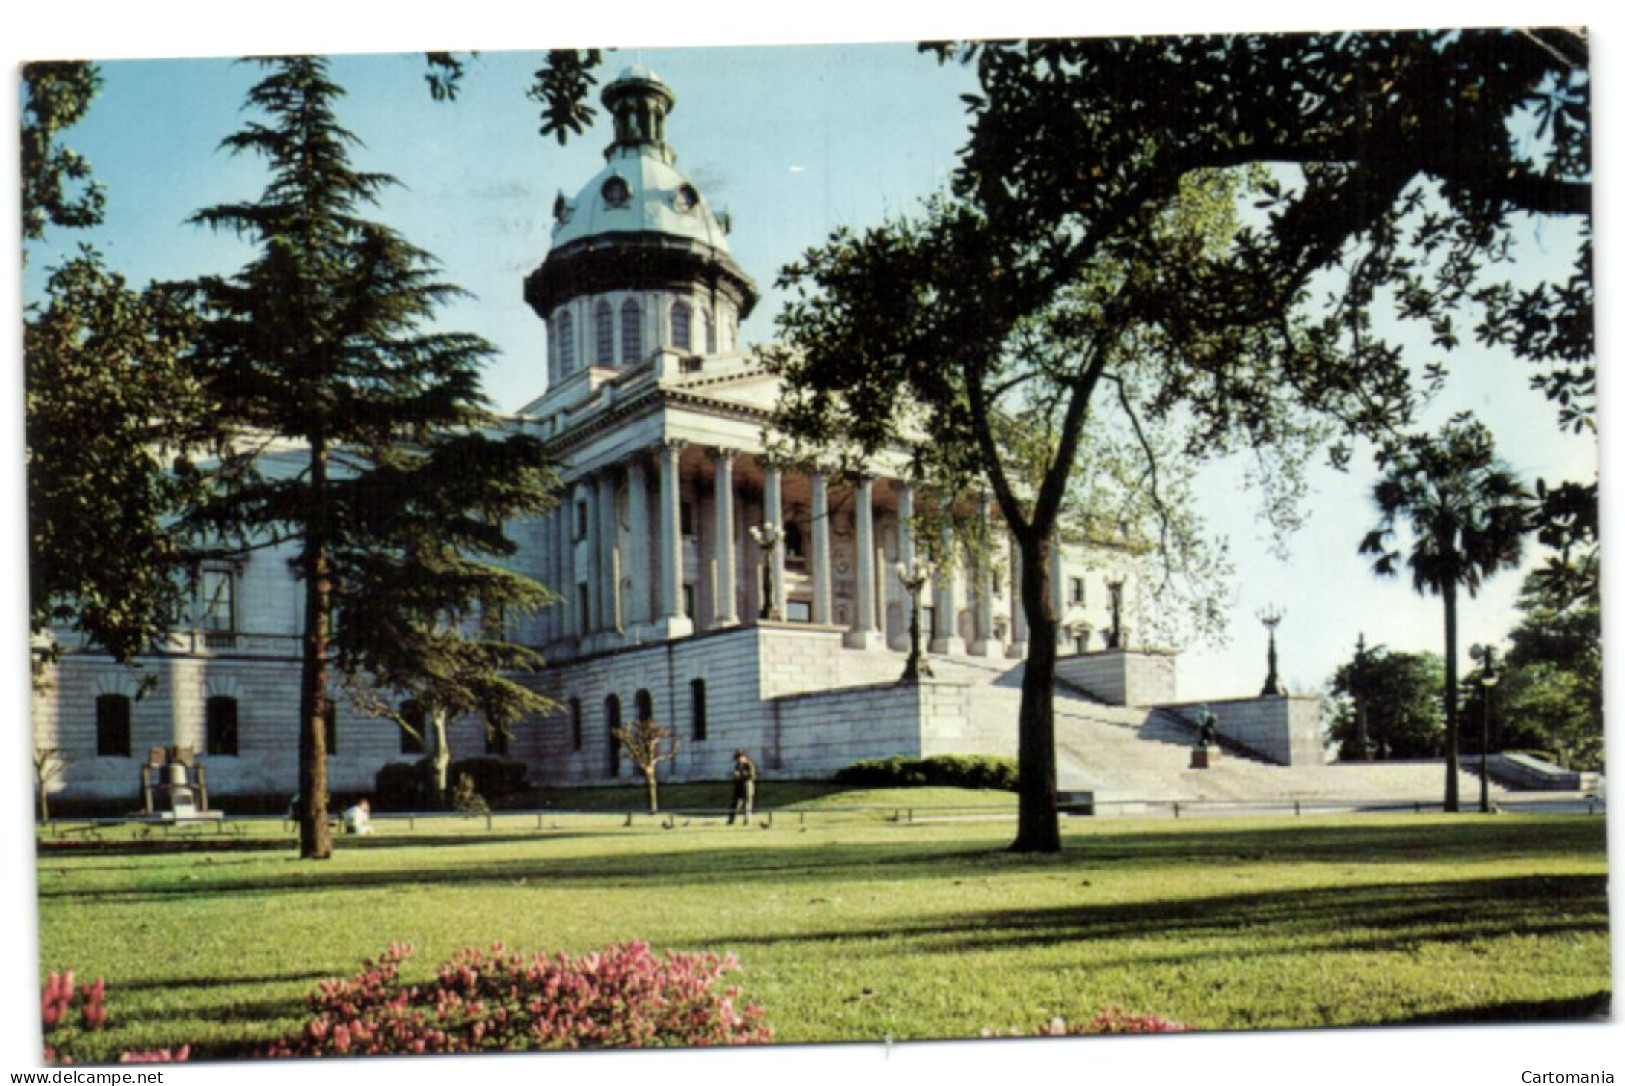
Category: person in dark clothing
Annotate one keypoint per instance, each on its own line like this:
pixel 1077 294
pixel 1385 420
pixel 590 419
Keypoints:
pixel 744 779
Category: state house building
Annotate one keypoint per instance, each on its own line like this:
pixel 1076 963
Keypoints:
pixel 655 418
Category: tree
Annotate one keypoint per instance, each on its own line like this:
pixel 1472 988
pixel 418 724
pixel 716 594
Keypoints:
pixel 109 402
pixel 648 743
pixel 397 497
pixel 1550 697
pixel 1401 695
pixel 946 336
pixel 57 189
pixel 1465 515
pixel 49 764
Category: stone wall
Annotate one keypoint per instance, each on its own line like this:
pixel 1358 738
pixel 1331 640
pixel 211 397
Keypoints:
pixel 1286 730
pixel 1121 676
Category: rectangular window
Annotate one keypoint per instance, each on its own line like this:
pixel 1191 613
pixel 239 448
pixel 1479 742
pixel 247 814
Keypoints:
pixel 113 726
pixel 575 723
pixel 798 610
pixel 581 520
pixel 1077 590
pixel 696 707
pixel 217 606
pixel 685 516
pixel 220 726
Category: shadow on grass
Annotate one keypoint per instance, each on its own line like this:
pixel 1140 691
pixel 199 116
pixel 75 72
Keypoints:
pixel 1596 1007
pixel 161 983
pixel 1378 917
pixel 785 857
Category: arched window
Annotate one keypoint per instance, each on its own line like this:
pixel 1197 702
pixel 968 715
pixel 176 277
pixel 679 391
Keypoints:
pixel 645 705
pixel 631 332
pixel 412 713
pixel 575 724
pixel 612 724
pixel 567 344
pixel 604 333
pixel 113 726
pixel 696 707
pixel 220 726
pixel 682 326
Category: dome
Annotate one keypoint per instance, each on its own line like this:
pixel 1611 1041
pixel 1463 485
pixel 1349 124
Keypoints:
pixel 639 223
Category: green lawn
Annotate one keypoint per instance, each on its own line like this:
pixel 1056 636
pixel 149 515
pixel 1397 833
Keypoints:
pixel 868 926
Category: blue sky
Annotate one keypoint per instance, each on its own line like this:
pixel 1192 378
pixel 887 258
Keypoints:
pixel 793 142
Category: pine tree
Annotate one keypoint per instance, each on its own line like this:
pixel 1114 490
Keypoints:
pixel 401 492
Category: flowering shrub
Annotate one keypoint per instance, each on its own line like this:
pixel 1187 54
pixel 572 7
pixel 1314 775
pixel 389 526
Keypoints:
pixel 1106 1020
pixel 58 1001
pixel 622 997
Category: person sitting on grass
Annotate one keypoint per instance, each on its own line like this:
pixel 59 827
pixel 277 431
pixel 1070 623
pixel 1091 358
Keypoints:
pixel 744 780
pixel 358 819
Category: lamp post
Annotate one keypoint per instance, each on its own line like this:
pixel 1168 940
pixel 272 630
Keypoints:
pixel 767 537
pixel 1487 678
pixel 914 579
pixel 1271 617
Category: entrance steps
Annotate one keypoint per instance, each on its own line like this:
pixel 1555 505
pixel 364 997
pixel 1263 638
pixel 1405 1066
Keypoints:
pixel 1126 754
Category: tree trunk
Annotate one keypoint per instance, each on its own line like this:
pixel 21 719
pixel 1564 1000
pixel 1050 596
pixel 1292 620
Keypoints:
pixel 1452 730
pixel 1038 826
pixel 315 835
pixel 654 790
pixel 442 756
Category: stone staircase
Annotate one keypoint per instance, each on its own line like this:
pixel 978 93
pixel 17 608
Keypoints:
pixel 1127 755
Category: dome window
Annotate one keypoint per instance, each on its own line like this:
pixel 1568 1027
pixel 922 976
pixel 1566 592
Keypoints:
pixel 604 333
pixel 631 333
pixel 616 192
pixel 685 197
pixel 682 326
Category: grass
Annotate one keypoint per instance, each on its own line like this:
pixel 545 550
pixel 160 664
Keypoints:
pixel 864 928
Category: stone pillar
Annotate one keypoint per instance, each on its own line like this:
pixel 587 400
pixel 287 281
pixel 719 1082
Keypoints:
pixel 609 571
pixel 986 642
pixel 820 550
pixel 773 513
pixel 727 601
pixel 1018 613
pixel 673 621
pixel 863 634
pixel 638 605
pixel 905 526
pixel 947 639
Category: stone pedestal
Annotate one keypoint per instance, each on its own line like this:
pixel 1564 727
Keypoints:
pixel 1204 757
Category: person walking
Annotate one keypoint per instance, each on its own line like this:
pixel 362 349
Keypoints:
pixel 744 779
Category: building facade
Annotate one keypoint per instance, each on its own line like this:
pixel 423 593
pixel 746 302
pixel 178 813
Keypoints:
pixel 742 600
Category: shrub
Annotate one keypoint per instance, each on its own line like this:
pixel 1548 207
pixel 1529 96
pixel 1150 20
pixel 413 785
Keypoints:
pixel 404 786
pixel 622 997
pixel 941 770
pixel 466 798
pixel 497 779
pixel 58 1002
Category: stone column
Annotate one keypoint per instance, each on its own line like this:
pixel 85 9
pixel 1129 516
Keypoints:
pixel 986 642
pixel 638 605
pixel 727 602
pixel 905 526
pixel 609 565
pixel 773 513
pixel 863 634
pixel 565 565
pixel 673 621
pixel 1018 613
pixel 820 549
pixel 947 639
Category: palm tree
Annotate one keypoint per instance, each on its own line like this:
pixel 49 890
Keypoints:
pixel 1467 514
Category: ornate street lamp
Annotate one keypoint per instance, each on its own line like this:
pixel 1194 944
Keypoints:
pixel 767 537
pixel 914 580
pixel 1487 678
pixel 1271 617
